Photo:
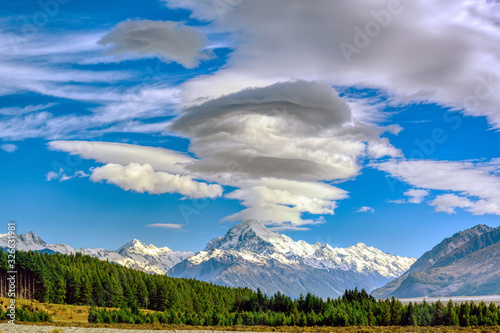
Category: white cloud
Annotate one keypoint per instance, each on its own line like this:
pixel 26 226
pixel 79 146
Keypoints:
pixel 292 130
pixel 166 39
pixel 288 227
pixel 46 66
pixel 397 201
pixel 118 113
pixel 448 202
pixel 138 168
pixel 381 148
pixel 476 185
pixel 439 51
pixel 276 145
pixel 416 195
pixel 55 47
pixel 62 176
pixel 365 209
pixel 8 147
pixel 271 141
pixel 281 202
pixel 166 226
pixel 16 111
pixel 120 153
pixel 143 178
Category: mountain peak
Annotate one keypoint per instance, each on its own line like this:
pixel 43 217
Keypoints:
pixel 360 245
pixel 252 235
pixel 32 238
pixel 137 246
pixel 132 244
pixel 256 227
pixel 247 235
pixel 448 245
pixel 481 229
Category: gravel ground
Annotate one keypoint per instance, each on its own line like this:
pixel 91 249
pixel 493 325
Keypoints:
pixel 456 299
pixel 7 328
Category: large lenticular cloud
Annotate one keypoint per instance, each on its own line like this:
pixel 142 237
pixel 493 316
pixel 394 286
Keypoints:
pixel 293 130
pixel 278 145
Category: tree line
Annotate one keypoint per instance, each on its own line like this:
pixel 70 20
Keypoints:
pixel 360 310
pixel 84 280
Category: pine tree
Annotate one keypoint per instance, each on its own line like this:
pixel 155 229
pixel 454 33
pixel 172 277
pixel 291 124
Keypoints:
pixel 463 316
pixel 439 314
pixel 73 286
pixel 450 316
pixel 142 294
pixel 396 311
pixel 59 289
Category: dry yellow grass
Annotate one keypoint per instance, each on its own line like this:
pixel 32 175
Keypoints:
pixel 59 312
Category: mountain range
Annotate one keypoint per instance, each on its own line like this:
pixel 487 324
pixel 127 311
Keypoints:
pixel 251 255
pixel 134 254
pixel 467 263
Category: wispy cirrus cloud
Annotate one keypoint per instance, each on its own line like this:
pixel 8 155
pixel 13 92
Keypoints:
pixel 62 176
pixel 8 147
pixel 171 226
pixel 51 67
pixel 17 111
pixel 475 185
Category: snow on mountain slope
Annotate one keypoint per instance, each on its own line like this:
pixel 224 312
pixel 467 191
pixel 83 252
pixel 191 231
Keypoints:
pixel 254 240
pixel 31 241
pixel 252 255
pixel 254 236
pixel 134 254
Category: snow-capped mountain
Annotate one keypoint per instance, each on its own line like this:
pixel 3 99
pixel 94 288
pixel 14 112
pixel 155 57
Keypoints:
pixel 134 254
pixel 31 241
pixel 137 255
pixel 251 255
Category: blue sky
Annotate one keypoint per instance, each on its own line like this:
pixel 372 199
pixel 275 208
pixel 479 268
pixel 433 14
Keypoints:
pixel 254 110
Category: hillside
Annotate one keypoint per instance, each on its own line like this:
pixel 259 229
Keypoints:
pixel 83 280
pixel 464 264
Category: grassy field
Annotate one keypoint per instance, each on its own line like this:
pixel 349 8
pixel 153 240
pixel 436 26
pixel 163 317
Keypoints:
pixel 76 315
pixel 60 313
